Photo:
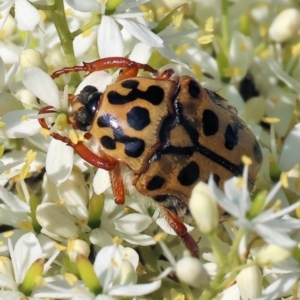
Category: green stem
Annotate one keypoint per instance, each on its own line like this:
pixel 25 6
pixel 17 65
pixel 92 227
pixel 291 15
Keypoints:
pixel 225 27
pixel 221 258
pixel 60 22
pixel 187 291
pixel 232 255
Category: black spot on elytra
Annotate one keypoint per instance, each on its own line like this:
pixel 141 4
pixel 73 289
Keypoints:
pixel 104 120
pixel 138 118
pixel 189 174
pixel 130 84
pixel 155 183
pixel 257 153
pixel 231 136
pixel 154 94
pixel 210 122
pixel 194 89
pixel 134 147
pixel 108 142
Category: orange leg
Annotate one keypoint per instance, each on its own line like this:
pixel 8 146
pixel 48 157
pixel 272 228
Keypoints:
pixel 46 109
pixel 166 74
pixel 181 230
pixel 117 185
pixel 104 64
pixel 106 163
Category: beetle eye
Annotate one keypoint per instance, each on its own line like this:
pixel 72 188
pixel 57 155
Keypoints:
pixel 93 101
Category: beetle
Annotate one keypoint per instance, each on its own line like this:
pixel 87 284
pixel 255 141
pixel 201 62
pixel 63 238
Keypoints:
pixel 168 130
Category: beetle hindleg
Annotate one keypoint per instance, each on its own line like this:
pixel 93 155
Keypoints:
pixel 180 229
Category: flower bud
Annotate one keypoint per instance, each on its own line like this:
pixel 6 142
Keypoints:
pixel 204 208
pixel 76 247
pixel 272 254
pixel 285 25
pixel 191 271
pixel 32 58
pixel 249 282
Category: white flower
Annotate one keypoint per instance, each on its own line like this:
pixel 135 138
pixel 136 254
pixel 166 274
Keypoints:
pixel 270 225
pixel 115 270
pixel 115 222
pixel 26 254
pixel 27 17
pixel 110 39
pixel 188 269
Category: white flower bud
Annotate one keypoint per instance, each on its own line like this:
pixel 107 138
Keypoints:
pixel 191 271
pixel 285 25
pixel 272 254
pixel 8 28
pixel 204 208
pixel 76 247
pixel 249 282
pixel 32 58
pixel 6 267
pixel 57 219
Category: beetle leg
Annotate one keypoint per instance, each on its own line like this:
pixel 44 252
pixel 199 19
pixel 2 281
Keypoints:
pixel 117 185
pixel 180 229
pixel 127 73
pixel 44 110
pixel 166 74
pixel 104 64
pixel 84 152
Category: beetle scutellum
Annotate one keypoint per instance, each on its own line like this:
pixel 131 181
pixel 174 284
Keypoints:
pixel 167 129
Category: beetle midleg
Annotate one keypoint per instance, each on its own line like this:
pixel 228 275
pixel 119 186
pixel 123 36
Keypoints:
pixel 117 184
pixel 181 231
pixel 104 64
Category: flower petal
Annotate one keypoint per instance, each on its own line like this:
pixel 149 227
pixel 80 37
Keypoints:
pixel 107 264
pixel 110 41
pixel 101 181
pixel 135 289
pixel 84 6
pixel 133 223
pixel 26 15
pixel 12 201
pixel 19 125
pixel 42 86
pixel 289 157
pixel 141 32
pixel 59 167
pixel 57 219
pixel 27 250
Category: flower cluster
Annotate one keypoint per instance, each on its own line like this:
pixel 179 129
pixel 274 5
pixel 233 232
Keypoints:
pixel 63 235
